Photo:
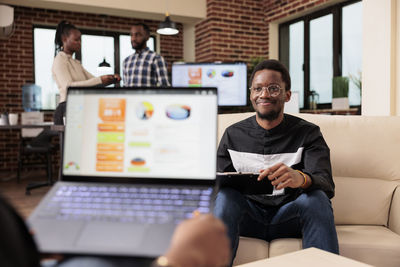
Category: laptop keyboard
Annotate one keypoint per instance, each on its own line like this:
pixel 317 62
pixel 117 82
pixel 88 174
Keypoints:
pixel 140 204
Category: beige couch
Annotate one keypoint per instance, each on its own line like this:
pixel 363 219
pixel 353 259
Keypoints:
pixel 365 155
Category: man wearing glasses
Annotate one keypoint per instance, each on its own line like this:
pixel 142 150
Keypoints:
pixel 286 151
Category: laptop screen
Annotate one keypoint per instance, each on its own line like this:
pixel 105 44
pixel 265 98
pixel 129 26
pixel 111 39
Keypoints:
pixel 141 133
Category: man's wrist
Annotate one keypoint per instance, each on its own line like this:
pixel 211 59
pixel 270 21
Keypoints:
pixel 306 180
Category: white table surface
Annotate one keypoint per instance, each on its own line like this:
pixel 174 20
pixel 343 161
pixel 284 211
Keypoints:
pixel 310 257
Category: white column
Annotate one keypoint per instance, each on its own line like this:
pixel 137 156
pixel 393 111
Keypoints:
pixel 273 40
pixel 379 57
pixel 189 42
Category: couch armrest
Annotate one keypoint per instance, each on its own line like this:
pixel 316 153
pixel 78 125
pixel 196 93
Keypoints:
pixel 394 216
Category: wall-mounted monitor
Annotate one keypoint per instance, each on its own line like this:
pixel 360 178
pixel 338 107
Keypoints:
pixel 229 78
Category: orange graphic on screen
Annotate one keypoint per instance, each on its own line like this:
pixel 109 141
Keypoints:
pixel 111 127
pixel 110 157
pixel 112 109
pixel 111 135
pixel 103 166
pixel 138 161
pixel 106 147
pixel 194 76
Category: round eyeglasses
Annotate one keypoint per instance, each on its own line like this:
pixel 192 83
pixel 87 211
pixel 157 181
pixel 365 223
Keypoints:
pixel 274 90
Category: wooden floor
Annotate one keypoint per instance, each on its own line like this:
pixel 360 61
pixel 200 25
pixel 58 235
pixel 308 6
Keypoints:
pixel 15 192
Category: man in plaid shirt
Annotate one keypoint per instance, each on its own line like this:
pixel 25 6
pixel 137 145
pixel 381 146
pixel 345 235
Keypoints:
pixel 144 67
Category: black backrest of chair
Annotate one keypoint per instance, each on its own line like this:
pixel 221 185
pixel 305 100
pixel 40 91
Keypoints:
pixel 44 138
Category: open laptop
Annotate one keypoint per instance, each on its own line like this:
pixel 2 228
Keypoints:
pixel 136 162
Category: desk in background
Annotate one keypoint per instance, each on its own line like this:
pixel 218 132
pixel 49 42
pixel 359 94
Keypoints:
pixel 44 125
pixel 50 125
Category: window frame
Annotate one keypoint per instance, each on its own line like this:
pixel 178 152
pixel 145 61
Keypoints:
pixel 284 41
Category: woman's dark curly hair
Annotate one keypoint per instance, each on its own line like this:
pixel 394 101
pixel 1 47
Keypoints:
pixel 63 29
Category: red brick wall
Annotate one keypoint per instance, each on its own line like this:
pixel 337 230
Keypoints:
pixel 16 60
pixel 278 9
pixel 233 30
pixel 238 29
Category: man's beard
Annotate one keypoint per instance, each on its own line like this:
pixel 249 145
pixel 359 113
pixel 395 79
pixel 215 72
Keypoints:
pixel 270 116
pixel 139 46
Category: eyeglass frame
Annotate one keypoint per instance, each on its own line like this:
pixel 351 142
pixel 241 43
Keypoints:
pixel 258 90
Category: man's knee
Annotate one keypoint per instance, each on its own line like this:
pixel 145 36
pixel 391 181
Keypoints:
pixel 313 201
pixel 228 202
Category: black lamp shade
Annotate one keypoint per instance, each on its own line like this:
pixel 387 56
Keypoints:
pixel 104 64
pixel 167 27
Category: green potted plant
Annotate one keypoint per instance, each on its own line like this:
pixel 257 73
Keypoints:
pixel 340 93
pixel 357 80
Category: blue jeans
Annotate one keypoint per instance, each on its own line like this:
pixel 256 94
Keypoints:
pixel 309 217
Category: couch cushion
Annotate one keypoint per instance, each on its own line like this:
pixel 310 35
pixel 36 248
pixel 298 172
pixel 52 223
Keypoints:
pixel 370 143
pixel 251 249
pixel 394 217
pixel 375 245
pixel 226 120
pixel 362 200
pixel 284 245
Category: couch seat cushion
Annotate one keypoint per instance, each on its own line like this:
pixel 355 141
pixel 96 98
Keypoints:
pixel 375 245
pixel 251 249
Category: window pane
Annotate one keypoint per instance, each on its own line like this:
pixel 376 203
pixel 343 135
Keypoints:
pixel 352 49
pixel 296 59
pixel 321 64
pixel 125 49
pixel 96 48
pixel 43 60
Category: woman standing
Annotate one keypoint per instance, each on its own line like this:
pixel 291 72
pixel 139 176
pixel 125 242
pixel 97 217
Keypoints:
pixel 68 71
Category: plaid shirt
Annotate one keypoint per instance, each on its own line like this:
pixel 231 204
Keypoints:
pixel 146 68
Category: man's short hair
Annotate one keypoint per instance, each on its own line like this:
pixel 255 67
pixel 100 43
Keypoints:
pixel 145 27
pixel 275 65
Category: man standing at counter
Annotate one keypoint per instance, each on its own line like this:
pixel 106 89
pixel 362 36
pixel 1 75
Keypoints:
pixel 144 67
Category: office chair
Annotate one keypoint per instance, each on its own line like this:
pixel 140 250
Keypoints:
pixel 37 152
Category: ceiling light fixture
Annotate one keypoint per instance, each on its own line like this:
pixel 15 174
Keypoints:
pixel 104 68
pixel 104 63
pixel 167 27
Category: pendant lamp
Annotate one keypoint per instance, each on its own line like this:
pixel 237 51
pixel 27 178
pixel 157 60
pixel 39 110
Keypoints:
pixel 167 27
pixel 104 64
pixel 104 68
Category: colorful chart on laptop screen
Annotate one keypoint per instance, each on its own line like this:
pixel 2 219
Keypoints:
pixel 144 110
pixel 138 165
pixel 178 112
pixel 138 161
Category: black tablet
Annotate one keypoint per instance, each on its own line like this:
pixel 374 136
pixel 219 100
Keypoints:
pixel 246 183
